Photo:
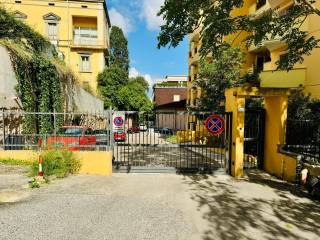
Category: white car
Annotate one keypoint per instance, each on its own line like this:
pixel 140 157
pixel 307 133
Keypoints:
pixel 143 128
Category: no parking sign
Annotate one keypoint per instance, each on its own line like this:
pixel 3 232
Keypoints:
pixel 118 121
pixel 215 124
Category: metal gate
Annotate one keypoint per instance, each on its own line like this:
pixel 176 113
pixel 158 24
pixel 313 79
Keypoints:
pixel 254 138
pixel 170 141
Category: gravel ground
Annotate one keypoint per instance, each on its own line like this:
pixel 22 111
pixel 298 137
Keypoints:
pixel 161 206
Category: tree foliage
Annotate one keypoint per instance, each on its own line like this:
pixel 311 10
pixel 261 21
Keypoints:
pixel 216 20
pixel 119 53
pixel 117 90
pixel 110 81
pixel 302 106
pixel 215 77
pixel 123 94
pixel 133 97
pixel 140 80
pixel 18 32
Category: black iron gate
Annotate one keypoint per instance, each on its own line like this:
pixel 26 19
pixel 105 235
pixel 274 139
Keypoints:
pixel 170 141
pixel 254 138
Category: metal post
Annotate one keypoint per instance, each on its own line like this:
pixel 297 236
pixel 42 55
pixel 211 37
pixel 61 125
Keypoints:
pixel 4 130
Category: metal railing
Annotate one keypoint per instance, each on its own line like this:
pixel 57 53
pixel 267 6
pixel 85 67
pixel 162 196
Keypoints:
pixel 73 131
pixel 303 138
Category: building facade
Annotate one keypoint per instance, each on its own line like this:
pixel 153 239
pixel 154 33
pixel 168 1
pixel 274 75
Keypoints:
pixel 79 29
pixel 264 57
pixel 170 99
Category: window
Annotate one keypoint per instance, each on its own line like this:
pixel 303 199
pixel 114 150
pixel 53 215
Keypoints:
pixel 261 3
pixel 85 36
pixel 19 15
pixel 176 98
pixel 52 30
pixel 52 22
pixel 89 131
pixel 85 63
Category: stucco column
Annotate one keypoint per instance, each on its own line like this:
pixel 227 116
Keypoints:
pixel 236 105
pixel 276 116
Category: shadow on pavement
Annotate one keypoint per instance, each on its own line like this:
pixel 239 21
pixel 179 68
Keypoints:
pixel 254 208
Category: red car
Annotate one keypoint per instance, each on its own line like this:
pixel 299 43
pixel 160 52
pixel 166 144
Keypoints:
pixel 119 136
pixel 73 138
pixel 133 130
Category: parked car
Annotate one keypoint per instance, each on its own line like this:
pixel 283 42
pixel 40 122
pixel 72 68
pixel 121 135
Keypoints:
pixel 166 131
pixel 119 136
pixel 143 127
pixel 74 138
pixel 103 136
pixel 135 129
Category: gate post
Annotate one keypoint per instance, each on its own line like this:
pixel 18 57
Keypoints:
pixel 276 117
pixel 236 105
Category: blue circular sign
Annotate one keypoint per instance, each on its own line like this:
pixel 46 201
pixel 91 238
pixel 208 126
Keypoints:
pixel 215 124
pixel 118 121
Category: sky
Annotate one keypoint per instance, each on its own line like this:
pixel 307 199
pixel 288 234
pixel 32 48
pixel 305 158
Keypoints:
pixel 141 25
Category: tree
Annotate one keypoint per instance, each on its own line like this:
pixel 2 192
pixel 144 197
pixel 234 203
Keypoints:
pixel 215 77
pixel 110 81
pixel 133 97
pixel 142 81
pixel 302 106
pixel 119 53
pixel 216 21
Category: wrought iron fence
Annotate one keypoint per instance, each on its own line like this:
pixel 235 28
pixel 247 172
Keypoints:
pixel 303 138
pixel 73 131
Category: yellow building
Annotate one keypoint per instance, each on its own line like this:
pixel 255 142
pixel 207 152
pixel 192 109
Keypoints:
pixel 78 28
pixel 265 56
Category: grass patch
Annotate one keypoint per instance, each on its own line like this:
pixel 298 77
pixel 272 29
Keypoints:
pixel 59 163
pixel 15 162
pixel 172 139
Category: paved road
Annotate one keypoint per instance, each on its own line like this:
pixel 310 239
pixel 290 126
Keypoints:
pixel 161 207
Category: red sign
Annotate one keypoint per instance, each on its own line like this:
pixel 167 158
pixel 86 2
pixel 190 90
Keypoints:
pixel 215 124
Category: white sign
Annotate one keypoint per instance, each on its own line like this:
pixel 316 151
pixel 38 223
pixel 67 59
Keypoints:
pixel 118 121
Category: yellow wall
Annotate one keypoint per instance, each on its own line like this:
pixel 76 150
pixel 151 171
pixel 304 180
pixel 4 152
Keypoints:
pixel 74 15
pixel 274 162
pixel 96 163
pixel 20 155
pixel 93 163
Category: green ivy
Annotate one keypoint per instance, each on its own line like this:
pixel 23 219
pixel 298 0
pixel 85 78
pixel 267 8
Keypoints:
pixel 40 91
pixel 39 82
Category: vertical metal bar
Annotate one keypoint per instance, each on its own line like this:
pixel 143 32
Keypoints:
pixel 4 130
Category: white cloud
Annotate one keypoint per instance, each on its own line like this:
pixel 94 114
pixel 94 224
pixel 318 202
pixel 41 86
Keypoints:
pixel 149 11
pixel 117 19
pixel 133 72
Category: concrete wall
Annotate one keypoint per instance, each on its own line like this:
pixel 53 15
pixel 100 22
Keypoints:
pixel 8 81
pixel 93 163
pixel 85 102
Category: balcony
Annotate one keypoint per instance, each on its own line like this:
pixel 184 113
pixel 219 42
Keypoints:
pixel 283 79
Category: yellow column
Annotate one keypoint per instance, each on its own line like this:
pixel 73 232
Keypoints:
pixel 236 105
pixel 276 116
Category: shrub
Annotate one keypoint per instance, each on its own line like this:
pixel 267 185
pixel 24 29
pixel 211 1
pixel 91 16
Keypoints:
pixel 58 163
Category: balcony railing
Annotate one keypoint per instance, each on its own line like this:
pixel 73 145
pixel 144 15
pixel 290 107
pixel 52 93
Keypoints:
pixel 283 79
pixel 85 41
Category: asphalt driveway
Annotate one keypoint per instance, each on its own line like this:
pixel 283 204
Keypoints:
pixel 161 206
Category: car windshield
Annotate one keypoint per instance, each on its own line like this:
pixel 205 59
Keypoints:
pixel 70 131
pixel 101 132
